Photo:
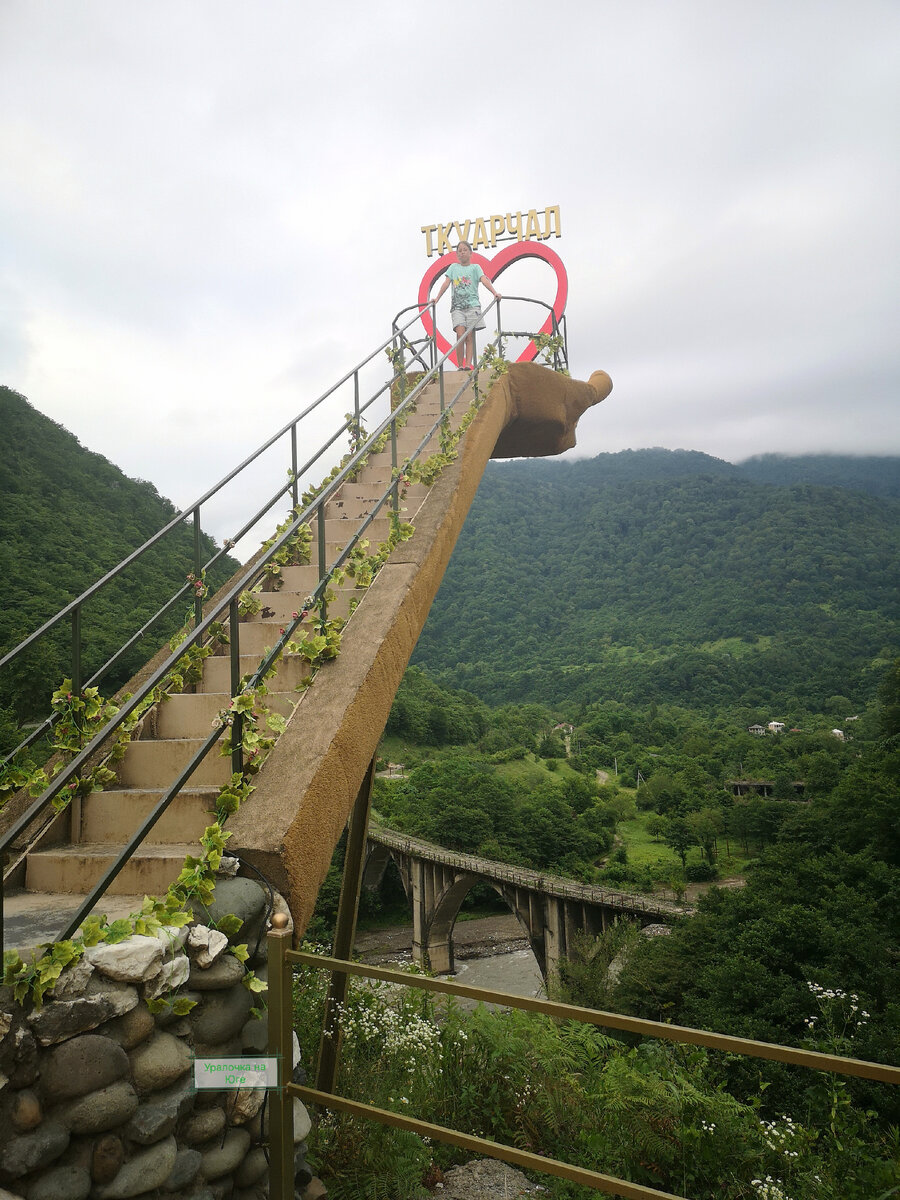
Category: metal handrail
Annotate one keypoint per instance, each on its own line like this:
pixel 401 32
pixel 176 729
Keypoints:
pixel 247 580
pixel 560 356
pixel 228 603
pixel 282 960
pixel 73 608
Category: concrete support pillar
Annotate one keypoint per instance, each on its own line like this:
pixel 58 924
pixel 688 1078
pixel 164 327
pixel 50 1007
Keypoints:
pixel 554 934
pixel 571 911
pixel 420 912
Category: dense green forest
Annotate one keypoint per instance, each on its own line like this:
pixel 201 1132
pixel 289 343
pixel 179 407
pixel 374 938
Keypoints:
pixel 607 632
pixel 646 798
pixel 671 576
pixel 67 516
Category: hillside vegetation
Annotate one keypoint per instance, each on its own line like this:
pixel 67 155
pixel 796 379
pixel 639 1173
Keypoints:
pixel 669 575
pixel 67 516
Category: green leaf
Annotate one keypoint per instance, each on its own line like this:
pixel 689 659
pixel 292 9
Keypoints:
pixel 93 931
pixel 241 953
pixel 276 722
pixel 229 924
pixel 253 984
pixel 183 1006
pixel 119 930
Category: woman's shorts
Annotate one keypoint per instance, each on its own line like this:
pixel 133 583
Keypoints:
pixel 468 317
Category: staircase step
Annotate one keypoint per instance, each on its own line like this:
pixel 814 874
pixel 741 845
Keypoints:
pixel 283 604
pixel 339 530
pixel 190 716
pixel 258 636
pixel 292 669
pixel 366 496
pixel 76 869
pixel 113 817
pixel 158 764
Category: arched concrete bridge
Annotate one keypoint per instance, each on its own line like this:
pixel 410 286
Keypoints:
pixel 551 910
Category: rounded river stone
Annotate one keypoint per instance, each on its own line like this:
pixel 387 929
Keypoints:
pixel 26 1111
pixel 187 1164
pixel 203 1125
pixel 222 1015
pixel 30 1151
pixel 81 1065
pixel 107 1158
pixel 101 1110
pixel 146 1171
pixel 132 1028
pixel 241 897
pixel 157 1116
pixel 252 1168
pixel 159 1061
pixel 225 972
pixel 62 1183
pixel 225 1158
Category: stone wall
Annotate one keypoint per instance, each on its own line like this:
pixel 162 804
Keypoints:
pixel 97 1096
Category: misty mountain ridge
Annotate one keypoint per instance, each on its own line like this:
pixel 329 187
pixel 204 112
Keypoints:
pixel 873 474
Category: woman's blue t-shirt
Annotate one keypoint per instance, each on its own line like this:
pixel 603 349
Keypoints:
pixel 464 282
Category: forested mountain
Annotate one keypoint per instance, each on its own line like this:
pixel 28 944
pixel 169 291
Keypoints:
pixel 879 476
pixel 671 575
pixel 67 516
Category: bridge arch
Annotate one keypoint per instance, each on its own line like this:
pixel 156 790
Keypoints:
pixel 550 910
pixel 439 933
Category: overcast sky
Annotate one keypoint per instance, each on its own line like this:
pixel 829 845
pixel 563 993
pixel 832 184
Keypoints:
pixel 210 211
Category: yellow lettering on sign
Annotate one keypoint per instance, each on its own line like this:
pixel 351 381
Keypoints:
pixel 481 237
pixel 488 231
pixel 513 227
pixel 533 228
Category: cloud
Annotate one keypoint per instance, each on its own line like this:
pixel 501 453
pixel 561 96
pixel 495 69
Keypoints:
pixel 210 208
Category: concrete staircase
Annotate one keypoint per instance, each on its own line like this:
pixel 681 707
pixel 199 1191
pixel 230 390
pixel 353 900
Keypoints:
pixel 69 860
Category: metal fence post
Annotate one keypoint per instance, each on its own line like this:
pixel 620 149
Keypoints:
pixel 320 529
pixel 237 721
pixel 295 483
pixel 281 1045
pixel 198 571
pixel 345 931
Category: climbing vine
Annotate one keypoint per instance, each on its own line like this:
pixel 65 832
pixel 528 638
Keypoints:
pixel 80 714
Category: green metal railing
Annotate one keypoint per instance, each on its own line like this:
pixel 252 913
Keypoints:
pixel 39 814
pixel 282 960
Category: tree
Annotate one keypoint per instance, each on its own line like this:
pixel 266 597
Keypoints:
pixel 706 825
pixel 656 826
pixel 889 696
pixel 680 837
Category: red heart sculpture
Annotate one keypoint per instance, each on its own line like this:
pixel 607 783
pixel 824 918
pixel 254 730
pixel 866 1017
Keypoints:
pixel 493 269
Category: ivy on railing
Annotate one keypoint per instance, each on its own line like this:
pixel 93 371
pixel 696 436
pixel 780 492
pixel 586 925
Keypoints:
pixel 196 881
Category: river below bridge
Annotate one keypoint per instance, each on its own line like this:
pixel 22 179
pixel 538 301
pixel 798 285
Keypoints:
pixel 490 952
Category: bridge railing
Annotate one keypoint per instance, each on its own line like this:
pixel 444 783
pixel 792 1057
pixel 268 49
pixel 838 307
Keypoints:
pixel 282 961
pixel 554 885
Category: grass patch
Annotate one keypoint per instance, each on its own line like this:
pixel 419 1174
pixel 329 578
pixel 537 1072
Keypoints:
pixel 645 851
pixel 737 647
pixel 532 771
